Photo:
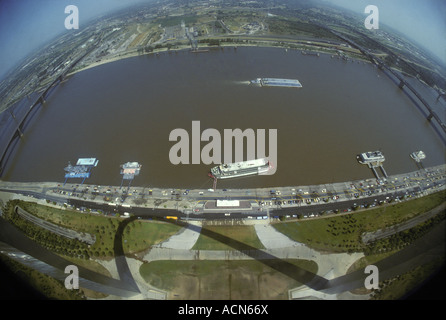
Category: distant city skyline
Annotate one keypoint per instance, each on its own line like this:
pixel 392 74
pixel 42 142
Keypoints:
pixel 422 21
pixel 27 25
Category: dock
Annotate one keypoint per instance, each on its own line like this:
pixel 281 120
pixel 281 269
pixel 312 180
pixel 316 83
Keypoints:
pixel 129 170
pixel 373 160
pixel 82 169
pixel 418 156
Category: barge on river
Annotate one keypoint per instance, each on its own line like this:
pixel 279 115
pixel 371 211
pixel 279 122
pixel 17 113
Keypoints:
pixel 276 82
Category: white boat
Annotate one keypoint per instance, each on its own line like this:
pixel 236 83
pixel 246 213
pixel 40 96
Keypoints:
pixel 369 157
pixel 240 169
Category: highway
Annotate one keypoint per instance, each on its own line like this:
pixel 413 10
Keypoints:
pixel 199 204
pixel 305 201
pixel 64 232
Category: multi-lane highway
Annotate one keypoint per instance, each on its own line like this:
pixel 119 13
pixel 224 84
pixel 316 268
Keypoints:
pixel 306 201
pixel 263 203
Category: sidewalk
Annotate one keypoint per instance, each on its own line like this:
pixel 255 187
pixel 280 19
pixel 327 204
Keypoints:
pixel 273 239
pixel 184 239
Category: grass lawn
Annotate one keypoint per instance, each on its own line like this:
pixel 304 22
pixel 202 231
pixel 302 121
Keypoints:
pixel 206 279
pixel 44 284
pixel 138 235
pixel 343 233
pixel 405 283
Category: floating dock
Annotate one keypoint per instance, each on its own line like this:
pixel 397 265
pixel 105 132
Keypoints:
pixel 277 82
pixel 373 159
pixel 82 169
pixel 129 170
pixel 418 156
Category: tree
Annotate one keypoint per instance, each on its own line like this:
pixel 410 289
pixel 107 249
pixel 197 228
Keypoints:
pixel 214 42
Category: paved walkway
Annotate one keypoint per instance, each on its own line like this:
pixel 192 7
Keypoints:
pixel 272 239
pixel 184 239
pixel 147 291
pixel 277 246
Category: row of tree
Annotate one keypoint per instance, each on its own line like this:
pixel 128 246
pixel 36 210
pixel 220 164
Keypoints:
pixel 401 239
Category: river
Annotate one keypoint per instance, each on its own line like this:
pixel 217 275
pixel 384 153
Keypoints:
pixel 125 110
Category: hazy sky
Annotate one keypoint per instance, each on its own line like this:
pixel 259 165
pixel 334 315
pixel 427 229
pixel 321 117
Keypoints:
pixel 422 20
pixel 27 24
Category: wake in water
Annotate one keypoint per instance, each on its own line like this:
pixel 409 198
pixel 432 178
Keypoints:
pixel 241 82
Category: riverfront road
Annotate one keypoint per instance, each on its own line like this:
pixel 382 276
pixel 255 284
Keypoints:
pixel 199 204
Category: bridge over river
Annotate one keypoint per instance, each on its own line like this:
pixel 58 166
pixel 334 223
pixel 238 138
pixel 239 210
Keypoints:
pixel 18 126
pixel 402 83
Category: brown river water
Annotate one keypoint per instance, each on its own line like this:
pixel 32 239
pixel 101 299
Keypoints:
pixel 125 110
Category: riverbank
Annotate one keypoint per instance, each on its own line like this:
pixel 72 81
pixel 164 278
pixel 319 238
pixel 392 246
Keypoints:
pixel 178 248
pixel 304 46
pixel 190 204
